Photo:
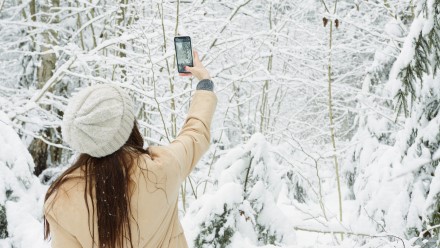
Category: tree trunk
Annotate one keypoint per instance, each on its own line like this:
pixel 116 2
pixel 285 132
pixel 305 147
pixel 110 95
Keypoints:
pixel 39 150
pixel 331 118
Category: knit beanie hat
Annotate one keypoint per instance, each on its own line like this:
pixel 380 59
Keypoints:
pixel 98 120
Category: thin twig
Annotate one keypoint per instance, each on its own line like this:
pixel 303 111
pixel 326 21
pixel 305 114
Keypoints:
pixel 321 202
pixel 325 6
pixel 1 5
pixel 231 16
pixel 348 233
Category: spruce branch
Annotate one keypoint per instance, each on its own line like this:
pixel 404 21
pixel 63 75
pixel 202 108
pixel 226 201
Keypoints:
pixel 425 62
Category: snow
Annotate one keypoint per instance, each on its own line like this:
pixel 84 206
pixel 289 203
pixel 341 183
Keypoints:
pixel 396 176
pixel 247 209
pixel 394 29
pixel 434 191
pixel 20 191
pixel 268 179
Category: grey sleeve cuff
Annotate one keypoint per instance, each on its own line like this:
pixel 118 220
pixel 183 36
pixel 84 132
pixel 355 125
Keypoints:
pixel 205 84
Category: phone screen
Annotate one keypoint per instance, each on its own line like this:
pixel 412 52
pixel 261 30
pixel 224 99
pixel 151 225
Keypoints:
pixel 183 53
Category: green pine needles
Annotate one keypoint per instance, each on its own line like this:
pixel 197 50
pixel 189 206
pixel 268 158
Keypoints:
pixel 3 223
pixel 217 226
pixel 426 60
pixel 435 218
pixel 266 236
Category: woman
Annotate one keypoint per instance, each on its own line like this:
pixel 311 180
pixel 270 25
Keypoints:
pixel 116 194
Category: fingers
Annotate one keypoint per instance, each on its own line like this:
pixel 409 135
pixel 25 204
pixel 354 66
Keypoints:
pixel 185 74
pixel 198 70
pixel 196 58
pixel 193 71
pixel 189 69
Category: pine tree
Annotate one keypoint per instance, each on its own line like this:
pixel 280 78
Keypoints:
pixel 423 67
pixel 20 192
pixel 398 161
pixel 248 187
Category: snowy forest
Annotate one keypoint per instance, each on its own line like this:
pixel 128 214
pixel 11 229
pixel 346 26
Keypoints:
pixel 327 128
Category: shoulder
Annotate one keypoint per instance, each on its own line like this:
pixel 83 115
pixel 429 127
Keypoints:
pixel 162 161
pixel 64 202
pixel 162 155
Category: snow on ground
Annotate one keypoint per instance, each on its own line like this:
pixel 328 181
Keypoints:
pixel 228 205
pixel 21 193
pixel 248 206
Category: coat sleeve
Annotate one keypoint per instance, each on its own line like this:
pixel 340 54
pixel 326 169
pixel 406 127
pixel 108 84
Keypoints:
pixel 60 237
pixel 194 138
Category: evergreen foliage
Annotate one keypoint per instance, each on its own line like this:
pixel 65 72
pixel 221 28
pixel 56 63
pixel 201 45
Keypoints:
pixel 398 161
pixel 268 59
pixel 426 59
pixel 266 236
pixel 21 193
pixel 3 223
pixel 215 232
pixel 295 186
pixel 244 204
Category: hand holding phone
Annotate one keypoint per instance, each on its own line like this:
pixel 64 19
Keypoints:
pixel 199 71
pixel 188 62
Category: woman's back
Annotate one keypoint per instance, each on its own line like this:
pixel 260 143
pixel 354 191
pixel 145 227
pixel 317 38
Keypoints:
pixel 117 194
pixel 155 181
pixel 153 205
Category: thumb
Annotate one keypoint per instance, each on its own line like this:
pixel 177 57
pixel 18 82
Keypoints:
pixel 189 68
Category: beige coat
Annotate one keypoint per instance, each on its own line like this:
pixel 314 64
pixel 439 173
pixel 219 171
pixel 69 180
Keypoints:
pixel 155 198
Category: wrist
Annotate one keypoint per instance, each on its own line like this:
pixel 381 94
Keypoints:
pixel 205 84
pixel 205 77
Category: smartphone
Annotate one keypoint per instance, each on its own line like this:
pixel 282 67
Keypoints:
pixel 184 54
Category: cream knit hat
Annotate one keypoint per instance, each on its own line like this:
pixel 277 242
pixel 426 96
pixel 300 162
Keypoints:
pixel 98 120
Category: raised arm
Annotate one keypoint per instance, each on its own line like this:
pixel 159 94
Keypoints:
pixel 194 138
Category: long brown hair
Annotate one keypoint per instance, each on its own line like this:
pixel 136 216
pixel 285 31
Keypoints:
pixel 110 176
